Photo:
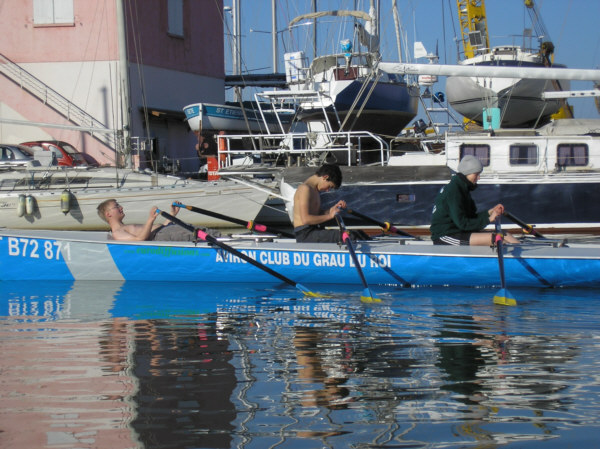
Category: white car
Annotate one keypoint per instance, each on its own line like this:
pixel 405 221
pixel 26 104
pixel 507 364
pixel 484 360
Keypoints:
pixel 12 156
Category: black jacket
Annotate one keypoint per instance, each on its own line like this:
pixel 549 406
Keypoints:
pixel 455 211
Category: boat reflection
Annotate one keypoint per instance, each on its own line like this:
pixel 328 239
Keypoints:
pixel 153 365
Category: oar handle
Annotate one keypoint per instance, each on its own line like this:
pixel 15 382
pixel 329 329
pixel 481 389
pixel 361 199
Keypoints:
pixel 176 220
pixel 212 214
pixel 247 224
pixel 526 227
pixel 386 226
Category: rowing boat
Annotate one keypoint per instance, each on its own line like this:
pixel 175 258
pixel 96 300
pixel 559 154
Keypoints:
pixel 91 255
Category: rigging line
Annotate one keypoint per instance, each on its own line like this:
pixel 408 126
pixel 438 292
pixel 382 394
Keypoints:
pixel 564 24
pixel 83 59
pixel 112 108
pixel 139 58
pixel 364 103
pixel 286 11
pixel 370 77
pixel 444 31
pixel 226 30
pixel 111 96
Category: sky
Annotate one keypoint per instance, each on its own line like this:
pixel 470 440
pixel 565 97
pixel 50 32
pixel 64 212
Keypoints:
pixel 572 25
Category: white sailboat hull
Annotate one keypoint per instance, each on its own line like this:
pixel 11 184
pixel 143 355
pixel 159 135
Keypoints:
pixel 137 195
pixel 519 100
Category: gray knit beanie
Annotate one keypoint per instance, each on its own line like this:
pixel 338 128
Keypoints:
pixel 470 164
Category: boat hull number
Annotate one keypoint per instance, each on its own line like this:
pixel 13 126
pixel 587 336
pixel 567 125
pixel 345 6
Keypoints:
pixel 36 249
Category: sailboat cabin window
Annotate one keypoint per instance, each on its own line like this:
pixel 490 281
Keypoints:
pixel 53 12
pixel 480 151
pixel 523 155
pixel 572 155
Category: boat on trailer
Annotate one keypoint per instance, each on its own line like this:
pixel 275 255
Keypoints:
pixel 517 102
pixel 28 255
pixel 230 118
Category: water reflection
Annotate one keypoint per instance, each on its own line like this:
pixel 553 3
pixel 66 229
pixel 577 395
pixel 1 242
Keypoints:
pixel 160 365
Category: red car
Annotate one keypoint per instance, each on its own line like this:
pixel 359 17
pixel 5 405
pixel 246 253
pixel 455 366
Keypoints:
pixel 66 154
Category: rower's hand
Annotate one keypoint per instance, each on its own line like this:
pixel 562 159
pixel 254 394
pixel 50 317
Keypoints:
pixel 153 213
pixel 496 212
pixel 175 207
pixel 337 208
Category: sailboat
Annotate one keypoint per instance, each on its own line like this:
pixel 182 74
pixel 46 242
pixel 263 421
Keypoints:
pixel 341 91
pixel 514 101
pixel 350 91
pixel 52 197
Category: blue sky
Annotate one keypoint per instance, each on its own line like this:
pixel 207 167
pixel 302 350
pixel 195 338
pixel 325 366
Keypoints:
pixel 573 26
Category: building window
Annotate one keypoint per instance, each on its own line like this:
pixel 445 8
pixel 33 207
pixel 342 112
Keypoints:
pixel 572 155
pixel 523 155
pixel 53 12
pixel 175 17
pixel 481 152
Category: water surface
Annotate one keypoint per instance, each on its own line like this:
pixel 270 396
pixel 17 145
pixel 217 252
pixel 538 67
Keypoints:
pixel 166 365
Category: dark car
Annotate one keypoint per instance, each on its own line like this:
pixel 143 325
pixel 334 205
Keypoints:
pixel 15 155
pixel 65 153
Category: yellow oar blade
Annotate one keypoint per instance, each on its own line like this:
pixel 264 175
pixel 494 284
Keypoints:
pixel 307 292
pixel 367 296
pixel 315 295
pixel 504 298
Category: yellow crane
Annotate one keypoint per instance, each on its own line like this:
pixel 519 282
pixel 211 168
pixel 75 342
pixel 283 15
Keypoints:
pixel 473 26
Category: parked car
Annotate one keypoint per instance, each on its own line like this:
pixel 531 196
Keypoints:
pixel 65 153
pixel 91 160
pixel 14 155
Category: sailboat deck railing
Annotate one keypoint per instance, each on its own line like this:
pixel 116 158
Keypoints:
pixel 303 149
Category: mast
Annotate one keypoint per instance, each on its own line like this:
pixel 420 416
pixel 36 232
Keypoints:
pixel 274 33
pixel 314 9
pixel 398 28
pixel 123 143
pixel 237 46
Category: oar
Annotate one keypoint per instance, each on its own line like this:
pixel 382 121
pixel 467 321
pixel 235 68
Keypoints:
pixel 209 238
pixel 386 226
pixel 248 224
pixel 503 296
pixel 366 295
pixel 527 228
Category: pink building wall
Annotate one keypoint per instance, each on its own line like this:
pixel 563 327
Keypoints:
pixel 165 71
pixel 93 36
pixel 201 49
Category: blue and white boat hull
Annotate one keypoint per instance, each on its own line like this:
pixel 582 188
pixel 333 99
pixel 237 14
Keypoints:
pixel 227 118
pixel 65 256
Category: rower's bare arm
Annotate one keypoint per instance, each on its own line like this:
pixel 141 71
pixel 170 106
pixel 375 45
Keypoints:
pixel 307 207
pixel 136 232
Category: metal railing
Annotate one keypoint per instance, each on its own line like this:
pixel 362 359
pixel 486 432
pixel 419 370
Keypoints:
pixel 56 101
pixel 309 148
